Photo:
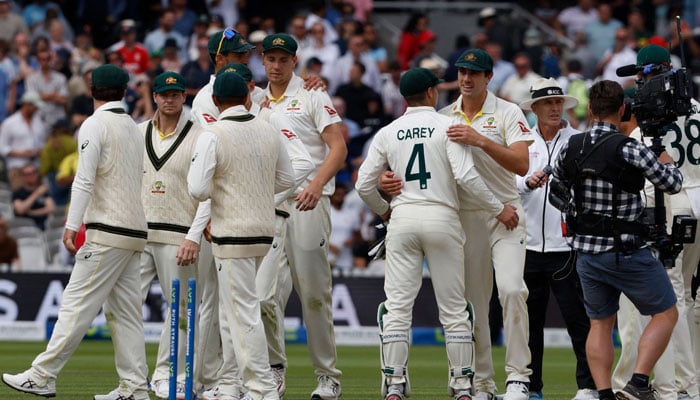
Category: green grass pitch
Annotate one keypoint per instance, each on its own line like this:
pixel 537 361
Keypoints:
pixel 91 371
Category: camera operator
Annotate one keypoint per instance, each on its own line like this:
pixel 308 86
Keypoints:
pixel 604 172
pixel 675 371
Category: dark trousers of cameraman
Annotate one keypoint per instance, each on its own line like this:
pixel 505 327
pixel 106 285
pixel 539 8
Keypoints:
pixel 556 272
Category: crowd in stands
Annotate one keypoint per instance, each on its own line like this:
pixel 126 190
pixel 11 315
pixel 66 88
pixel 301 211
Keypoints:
pixel 48 49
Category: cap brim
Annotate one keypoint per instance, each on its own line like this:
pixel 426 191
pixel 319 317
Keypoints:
pixel 245 48
pixel 569 102
pixel 280 48
pixel 170 87
pixel 470 66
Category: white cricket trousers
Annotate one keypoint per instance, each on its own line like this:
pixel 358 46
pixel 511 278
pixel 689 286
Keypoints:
pixel 491 247
pixel 307 252
pixel 240 311
pixel 273 284
pixel 433 232
pixel 209 354
pixel 107 276
pixel 161 259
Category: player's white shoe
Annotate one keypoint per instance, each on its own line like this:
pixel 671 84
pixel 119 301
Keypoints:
pixel 327 389
pixel 23 382
pixel 587 394
pixel 516 390
pixel 161 388
pixel 463 395
pixel 278 375
pixel 395 392
pixel 216 394
pixel 482 396
pixel 115 395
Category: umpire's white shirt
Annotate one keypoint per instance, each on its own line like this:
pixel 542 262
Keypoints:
pixel 544 221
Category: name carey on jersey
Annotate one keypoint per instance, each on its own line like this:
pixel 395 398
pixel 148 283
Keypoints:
pixel 415 133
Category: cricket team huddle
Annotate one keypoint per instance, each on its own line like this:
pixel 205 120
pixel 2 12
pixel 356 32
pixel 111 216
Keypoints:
pixel 237 196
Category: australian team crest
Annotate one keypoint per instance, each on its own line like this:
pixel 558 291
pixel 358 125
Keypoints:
pixel 294 105
pixel 278 42
pixel 158 187
pixel 490 123
pixel 171 80
pixel 470 57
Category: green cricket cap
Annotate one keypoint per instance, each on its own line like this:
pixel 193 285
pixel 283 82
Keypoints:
pixel 417 80
pixel 169 81
pixel 109 76
pixel 280 41
pixel 238 68
pixel 230 84
pixel 475 60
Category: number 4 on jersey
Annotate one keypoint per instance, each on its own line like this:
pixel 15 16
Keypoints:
pixel 422 175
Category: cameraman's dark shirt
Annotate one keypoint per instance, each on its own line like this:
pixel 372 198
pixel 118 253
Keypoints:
pixel 598 194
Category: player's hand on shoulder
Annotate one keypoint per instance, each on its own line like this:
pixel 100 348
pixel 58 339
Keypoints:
pixel 390 184
pixel 508 217
pixel 465 135
pixel 313 82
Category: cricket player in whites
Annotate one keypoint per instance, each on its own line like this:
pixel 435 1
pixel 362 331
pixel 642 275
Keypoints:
pixel 679 364
pixel 106 195
pixel 240 162
pixel 175 219
pixel 424 224
pixel 497 133
pixel 312 117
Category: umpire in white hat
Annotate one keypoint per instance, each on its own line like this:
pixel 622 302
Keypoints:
pixel 549 262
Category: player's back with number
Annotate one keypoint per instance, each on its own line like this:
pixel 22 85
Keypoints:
pixel 416 148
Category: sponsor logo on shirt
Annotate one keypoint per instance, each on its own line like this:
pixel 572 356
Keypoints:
pixel 523 128
pixel 330 111
pixel 84 145
pixel 158 187
pixel 208 118
pixel 288 134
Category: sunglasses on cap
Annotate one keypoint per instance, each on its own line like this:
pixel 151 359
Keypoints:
pixel 228 34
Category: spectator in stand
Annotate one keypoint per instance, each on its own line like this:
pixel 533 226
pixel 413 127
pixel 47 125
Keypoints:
pixel 376 50
pixel 59 144
pixel 297 29
pixel 5 85
pixel 356 94
pixel 638 29
pixel 197 72
pixel 328 53
pixel 576 85
pixel 341 108
pixel 134 54
pixel 154 66
pixel 394 103
pixel 502 69
pixel 357 51
pixel 427 42
pixel 619 55
pixel 317 14
pixel 584 54
pixel 255 63
pixel 198 31
pixel 601 31
pixel 345 232
pixel 32 198
pixel 185 18
pixel 82 106
pixel 44 29
pixel 574 19
pixel 516 88
pixel 52 88
pixel 551 60
pixel 84 51
pixel 57 38
pixel 10 22
pixel 155 40
pixel 9 253
pixel 534 47
pixel 346 29
pixel 24 62
pixel 22 136
pixel 171 61
pixel 35 11
pixel 225 10
pixel 408 44
pixel 500 31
